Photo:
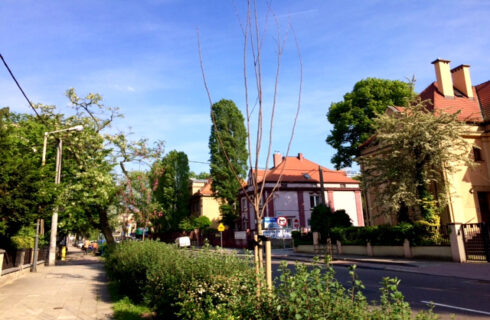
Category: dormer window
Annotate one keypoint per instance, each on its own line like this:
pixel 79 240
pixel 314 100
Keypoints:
pixel 307 176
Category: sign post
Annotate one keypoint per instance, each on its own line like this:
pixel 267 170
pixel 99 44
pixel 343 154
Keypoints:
pixel 282 222
pixel 221 228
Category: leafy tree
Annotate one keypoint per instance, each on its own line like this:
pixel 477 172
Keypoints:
pixel 172 191
pixel 228 154
pixel 24 195
pixel 189 224
pixel 412 150
pixel 352 118
pixel 202 175
pixel 323 218
pixel 135 189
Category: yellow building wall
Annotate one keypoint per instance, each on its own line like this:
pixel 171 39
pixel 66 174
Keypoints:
pixel 464 184
pixel 210 209
pixel 468 181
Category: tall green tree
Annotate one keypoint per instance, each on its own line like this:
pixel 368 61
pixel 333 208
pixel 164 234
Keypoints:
pixel 87 185
pixel 352 118
pixel 24 195
pixel 172 190
pixel 228 155
pixel 412 150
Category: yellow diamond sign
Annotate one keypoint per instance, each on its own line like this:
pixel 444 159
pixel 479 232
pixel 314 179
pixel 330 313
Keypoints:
pixel 221 227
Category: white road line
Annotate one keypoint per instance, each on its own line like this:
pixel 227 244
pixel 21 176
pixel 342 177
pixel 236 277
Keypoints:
pixel 454 307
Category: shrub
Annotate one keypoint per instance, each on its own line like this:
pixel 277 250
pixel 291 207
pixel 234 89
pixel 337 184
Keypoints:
pixel 419 233
pixel 24 239
pixel 302 239
pixel 162 275
pixel 323 219
pixel 207 284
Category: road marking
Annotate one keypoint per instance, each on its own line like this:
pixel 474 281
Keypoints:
pixel 454 307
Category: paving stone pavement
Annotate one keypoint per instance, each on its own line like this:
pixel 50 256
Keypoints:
pixel 75 289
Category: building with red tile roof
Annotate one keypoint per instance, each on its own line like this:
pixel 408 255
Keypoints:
pixel 469 188
pixel 203 202
pixel 300 189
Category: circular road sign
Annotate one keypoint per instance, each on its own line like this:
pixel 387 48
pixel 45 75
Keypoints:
pixel 282 221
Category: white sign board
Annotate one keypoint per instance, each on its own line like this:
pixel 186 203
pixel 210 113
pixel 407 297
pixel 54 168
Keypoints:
pixel 240 235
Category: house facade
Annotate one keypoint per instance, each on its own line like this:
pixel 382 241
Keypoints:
pixel 203 202
pixel 468 187
pixel 300 190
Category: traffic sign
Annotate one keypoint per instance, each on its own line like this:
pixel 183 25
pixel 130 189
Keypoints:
pixel 282 221
pixel 221 227
pixel 296 223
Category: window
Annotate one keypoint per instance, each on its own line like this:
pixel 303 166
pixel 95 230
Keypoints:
pixel 477 154
pixel 244 205
pixel 314 200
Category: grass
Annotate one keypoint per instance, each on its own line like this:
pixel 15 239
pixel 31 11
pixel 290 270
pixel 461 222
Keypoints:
pixel 125 309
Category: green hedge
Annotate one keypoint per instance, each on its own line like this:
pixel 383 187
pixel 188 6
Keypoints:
pixel 207 284
pixel 420 233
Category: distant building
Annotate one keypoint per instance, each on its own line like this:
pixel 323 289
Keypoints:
pixel 469 192
pixel 300 191
pixel 203 202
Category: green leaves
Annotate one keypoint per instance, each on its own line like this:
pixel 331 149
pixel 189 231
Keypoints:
pixel 228 151
pixel 413 148
pixel 353 117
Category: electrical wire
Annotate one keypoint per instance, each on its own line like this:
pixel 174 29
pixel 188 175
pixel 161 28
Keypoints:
pixel 20 88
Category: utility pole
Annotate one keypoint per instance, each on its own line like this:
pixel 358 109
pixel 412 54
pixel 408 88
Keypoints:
pixel 322 186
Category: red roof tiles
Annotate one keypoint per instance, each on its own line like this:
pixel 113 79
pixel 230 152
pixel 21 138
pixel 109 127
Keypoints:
pixel 470 109
pixel 483 91
pixel 300 169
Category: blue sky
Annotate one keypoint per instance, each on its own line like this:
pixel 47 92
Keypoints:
pixel 142 56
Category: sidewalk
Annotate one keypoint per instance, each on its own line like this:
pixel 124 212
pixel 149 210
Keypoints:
pixel 74 289
pixel 471 270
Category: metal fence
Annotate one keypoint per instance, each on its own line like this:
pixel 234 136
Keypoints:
pixel 10 257
pixel 476 237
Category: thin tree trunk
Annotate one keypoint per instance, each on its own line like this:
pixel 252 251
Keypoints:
pixel 105 228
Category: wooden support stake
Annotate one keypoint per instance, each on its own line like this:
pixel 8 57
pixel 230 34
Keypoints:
pixel 268 264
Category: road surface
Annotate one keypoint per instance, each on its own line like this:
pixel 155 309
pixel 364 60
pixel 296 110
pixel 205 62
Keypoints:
pixel 466 299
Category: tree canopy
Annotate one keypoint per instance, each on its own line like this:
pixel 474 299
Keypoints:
pixel 172 190
pixel 228 153
pixel 352 118
pixel 412 150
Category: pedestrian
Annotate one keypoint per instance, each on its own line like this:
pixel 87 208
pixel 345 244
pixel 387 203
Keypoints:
pixel 86 245
pixel 95 247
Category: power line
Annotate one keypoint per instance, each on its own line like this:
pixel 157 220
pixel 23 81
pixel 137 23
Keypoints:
pixel 199 162
pixel 20 88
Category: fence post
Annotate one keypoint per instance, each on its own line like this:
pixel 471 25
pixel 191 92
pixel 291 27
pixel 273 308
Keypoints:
pixel 339 247
pixel 407 250
pixel 315 242
pixel 370 251
pixel 1 260
pixel 457 243
pixel 19 259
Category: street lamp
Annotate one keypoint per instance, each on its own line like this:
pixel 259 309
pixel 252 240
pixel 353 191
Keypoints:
pixel 54 220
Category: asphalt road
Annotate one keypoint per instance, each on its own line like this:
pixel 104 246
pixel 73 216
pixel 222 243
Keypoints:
pixel 466 299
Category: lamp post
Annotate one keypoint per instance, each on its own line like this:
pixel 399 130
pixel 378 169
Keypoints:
pixel 57 180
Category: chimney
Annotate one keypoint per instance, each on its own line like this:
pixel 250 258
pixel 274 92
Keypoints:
pixel 300 156
pixel 462 80
pixel 277 159
pixel 444 80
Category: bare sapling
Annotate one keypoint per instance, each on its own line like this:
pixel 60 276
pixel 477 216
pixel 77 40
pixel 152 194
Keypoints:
pixel 254 33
